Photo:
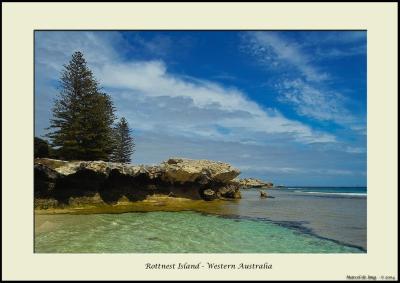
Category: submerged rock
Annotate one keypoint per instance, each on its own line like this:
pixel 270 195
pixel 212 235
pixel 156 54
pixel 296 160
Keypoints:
pixel 76 182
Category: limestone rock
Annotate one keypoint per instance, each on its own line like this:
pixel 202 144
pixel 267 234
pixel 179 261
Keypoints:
pixel 75 182
pixel 188 170
pixel 230 191
pixel 248 183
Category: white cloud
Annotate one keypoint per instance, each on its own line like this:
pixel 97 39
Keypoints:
pixel 54 49
pixel 305 88
pixel 271 169
pixel 310 101
pixel 151 79
pixel 357 150
pixel 324 53
pixel 359 128
pixel 276 51
pixel 308 171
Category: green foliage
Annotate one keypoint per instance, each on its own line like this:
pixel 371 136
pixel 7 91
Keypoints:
pixel 82 115
pixel 41 148
pixel 124 145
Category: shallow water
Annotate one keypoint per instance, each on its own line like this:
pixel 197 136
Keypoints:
pixel 289 223
pixel 176 232
pixel 342 218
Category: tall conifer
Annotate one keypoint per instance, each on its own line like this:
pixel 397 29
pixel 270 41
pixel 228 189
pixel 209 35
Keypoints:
pixel 82 115
pixel 123 142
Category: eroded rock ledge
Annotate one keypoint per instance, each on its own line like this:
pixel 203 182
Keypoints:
pixel 73 183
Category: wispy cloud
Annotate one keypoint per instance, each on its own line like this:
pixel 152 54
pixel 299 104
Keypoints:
pixel 275 51
pixel 307 100
pixel 334 45
pixel 291 170
pixel 159 45
pixel 334 53
pixel 150 79
pixel 357 150
pixel 306 87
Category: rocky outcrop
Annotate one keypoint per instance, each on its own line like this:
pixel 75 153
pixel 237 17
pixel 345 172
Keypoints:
pixel 65 183
pixel 253 183
pixel 179 170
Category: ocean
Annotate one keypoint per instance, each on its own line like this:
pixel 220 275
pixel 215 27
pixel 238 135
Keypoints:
pixel 346 191
pixel 292 220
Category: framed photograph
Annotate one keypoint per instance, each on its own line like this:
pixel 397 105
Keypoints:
pixel 188 141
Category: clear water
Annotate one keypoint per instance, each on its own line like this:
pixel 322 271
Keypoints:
pixel 315 220
pixel 175 232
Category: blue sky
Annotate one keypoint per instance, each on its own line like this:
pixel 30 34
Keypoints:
pixel 284 106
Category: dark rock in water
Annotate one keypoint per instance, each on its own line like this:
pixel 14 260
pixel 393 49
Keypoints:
pixel 78 182
pixel 263 194
pixel 153 239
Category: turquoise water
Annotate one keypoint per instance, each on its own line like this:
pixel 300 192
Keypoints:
pixel 175 232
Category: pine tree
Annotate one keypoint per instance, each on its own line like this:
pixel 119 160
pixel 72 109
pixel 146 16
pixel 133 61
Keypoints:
pixel 123 143
pixel 82 115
